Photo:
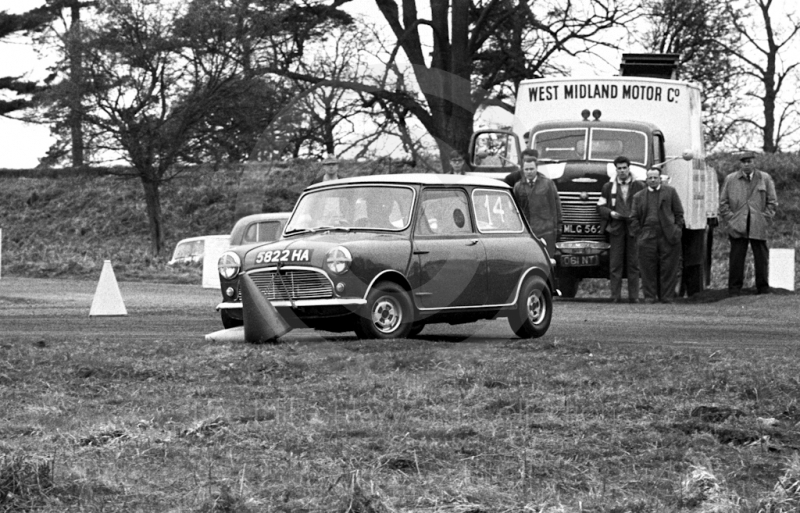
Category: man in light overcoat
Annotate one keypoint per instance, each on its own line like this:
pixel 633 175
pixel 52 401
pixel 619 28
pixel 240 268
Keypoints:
pixel 747 203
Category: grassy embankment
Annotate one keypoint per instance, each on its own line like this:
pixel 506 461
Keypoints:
pixel 68 226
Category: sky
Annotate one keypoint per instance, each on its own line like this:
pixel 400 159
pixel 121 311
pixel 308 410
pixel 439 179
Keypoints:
pixel 22 144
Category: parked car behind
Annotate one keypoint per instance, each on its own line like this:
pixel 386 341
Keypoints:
pixel 385 255
pixel 258 228
pixel 190 251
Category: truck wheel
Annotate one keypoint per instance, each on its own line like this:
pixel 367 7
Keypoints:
pixel 229 322
pixel 388 313
pixel 531 319
pixel 568 285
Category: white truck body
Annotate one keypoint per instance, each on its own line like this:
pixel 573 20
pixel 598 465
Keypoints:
pixel 673 106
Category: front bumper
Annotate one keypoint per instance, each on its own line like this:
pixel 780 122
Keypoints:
pixel 300 303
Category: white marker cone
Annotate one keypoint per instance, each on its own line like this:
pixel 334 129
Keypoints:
pixel 230 335
pixel 107 298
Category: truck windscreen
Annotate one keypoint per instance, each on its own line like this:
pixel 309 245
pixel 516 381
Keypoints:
pixel 561 144
pixel 606 144
pixel 610 143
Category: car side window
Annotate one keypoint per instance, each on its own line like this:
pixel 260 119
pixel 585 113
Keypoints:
pixel 443 212
pixel 496 212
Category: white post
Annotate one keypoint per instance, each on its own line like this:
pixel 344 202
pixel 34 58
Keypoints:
pixel 781 268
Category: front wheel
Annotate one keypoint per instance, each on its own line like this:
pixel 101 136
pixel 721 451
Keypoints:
pixel 388 313
pixel 531 319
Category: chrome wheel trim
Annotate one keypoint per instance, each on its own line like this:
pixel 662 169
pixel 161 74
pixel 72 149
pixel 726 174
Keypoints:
pixel 536 307
pixel 387 314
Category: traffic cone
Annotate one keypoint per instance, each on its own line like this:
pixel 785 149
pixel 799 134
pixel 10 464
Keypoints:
pixel 229 335
pixel 107 298
pixel 262 322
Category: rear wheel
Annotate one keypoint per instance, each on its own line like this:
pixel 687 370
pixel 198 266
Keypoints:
pixel 531 319
pixel 229 322
pixel 388 313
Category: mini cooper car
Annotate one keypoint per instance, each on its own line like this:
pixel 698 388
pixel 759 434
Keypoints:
pixel 385 255
pixel 258 228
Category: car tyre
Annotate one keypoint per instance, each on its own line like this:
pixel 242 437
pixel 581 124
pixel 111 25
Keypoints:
pixel 229 322
pixel 531 319
pixel 388 313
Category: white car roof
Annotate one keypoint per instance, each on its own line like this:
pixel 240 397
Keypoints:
pixel 417 178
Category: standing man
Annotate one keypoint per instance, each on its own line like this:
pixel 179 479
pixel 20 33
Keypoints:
pixel 615 206
pixel 657 223
pixel 538 199
pixel 330 171
pixel 747 204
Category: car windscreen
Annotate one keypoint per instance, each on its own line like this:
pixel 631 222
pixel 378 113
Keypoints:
pixel 374 207
pixel 188 249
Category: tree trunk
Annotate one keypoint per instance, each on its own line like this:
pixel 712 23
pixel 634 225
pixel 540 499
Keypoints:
pixel 75 116
pixel 154 217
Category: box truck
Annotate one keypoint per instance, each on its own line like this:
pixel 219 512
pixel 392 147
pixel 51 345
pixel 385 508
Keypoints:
pixel 580 125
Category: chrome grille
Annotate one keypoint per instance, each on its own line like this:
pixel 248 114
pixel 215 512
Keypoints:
pixel 292 284
pixel 578 211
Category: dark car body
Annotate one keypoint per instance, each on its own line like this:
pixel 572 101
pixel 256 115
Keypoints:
pixel 255 228
pixel 385 255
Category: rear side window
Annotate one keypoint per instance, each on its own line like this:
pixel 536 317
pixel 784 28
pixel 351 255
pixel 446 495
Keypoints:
pixel 444 212
pixel 496 212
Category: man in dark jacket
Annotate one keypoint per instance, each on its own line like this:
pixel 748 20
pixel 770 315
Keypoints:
pixel 657 223
pixel 747 203
pixel 614 207
pixel 538 200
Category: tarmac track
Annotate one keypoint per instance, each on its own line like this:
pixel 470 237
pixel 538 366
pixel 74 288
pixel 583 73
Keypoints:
pixel 32 310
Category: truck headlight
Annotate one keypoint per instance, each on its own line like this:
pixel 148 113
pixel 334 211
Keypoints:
pixel 338 260
pixel 229 265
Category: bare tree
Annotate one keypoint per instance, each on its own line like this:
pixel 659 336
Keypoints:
pixel 768 54
pixel 478 47
pixel 696 30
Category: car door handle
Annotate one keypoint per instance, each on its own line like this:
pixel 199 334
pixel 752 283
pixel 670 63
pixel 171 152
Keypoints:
pixel 472 242
pixel 418 251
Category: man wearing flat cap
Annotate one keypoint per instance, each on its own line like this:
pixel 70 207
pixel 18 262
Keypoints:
pixel 330 168
pixel 747 204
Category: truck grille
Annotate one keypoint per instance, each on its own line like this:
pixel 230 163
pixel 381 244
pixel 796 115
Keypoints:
pixel 580 212
pixel 292 284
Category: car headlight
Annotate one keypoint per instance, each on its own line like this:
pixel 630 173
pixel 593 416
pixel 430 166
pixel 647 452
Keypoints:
pixel 338 260
pixel 229 265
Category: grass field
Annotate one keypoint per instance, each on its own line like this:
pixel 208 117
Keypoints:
pixel 560 425
pixel 366 427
